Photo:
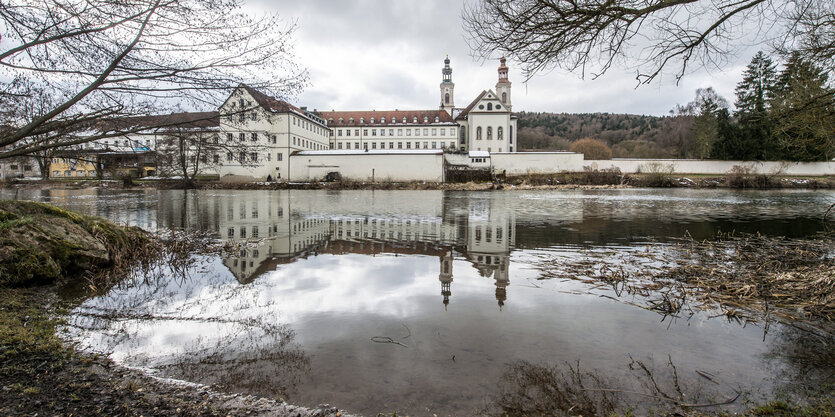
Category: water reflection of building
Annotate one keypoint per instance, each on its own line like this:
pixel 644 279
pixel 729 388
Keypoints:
pixel 268 232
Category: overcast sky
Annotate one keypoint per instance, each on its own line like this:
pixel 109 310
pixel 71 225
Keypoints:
pixel 385 55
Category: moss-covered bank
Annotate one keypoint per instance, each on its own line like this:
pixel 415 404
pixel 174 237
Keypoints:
pixel 40 243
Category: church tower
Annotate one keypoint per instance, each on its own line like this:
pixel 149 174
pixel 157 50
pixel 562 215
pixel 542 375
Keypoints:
pixel 446 277
pixel 447 88
pixel 503 86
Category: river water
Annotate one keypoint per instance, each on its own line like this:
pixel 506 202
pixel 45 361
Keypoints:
pixel 433 302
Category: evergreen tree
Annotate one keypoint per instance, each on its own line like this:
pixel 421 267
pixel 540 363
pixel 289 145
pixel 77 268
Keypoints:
pixel 705 108
pixel 752 137
pixel 803 111
pixel 756 87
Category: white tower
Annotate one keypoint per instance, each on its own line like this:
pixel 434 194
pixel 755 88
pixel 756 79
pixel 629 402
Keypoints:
pixel 447 88
pixel 503 86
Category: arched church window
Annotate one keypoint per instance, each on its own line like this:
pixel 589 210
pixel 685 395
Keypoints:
pixel 478 133
pixel 504 98
pixel 489 132
pixel 446 98
pixel 489 107
pixel 500 133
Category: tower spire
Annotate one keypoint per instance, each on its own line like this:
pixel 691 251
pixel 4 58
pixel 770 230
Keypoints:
pixel 447 88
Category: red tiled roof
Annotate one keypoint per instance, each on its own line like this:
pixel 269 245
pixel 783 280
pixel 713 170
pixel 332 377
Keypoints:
pixel 378 115
pixel 470 107
pixel 271 103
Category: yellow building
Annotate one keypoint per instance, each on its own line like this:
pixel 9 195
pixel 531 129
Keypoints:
pixel 73 167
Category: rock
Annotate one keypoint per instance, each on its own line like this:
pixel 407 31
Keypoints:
pixel 40 244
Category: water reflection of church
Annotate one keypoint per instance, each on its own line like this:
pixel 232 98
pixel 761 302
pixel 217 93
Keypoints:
pixel 269 232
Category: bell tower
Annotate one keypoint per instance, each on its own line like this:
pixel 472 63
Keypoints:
pixel 447 88
pixel 503 86
pixel 446 277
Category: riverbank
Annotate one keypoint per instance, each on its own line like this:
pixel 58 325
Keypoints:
pixel 43 249
pixel 39 375
pixel 582 180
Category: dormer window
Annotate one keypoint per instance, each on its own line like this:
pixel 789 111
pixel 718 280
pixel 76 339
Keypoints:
pixel 436 119
pixel 362 120
pixel 341 120
pixel 414 119
pixel 351 120
pixel 372 120
pixel 382 120
pixel 425 119
pixel 404 119
pixel 489 106
pixel 330 121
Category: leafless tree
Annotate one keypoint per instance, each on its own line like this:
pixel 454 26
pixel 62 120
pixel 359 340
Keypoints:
pixel 104 59
pixel 653 35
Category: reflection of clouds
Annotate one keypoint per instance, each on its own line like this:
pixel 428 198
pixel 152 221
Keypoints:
pixel 349 284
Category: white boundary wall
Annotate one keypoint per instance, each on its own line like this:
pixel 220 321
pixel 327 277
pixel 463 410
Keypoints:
pixel 382 166
pixel 537 162
pixel 712 167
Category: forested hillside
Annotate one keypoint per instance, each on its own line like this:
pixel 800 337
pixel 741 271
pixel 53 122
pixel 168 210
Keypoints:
pixel 779 115
pixel 629 135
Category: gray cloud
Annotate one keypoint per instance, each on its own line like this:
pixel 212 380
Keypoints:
pixel 376 54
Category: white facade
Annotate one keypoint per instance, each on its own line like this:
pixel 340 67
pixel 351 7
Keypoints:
pixel 382 166
pixel 260 133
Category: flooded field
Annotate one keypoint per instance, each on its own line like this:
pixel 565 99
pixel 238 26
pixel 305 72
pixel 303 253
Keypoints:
pixel 450 303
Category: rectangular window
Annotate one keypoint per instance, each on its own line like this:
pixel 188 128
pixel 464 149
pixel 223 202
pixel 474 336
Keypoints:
pixel 425 131
pixel 399 145
pixel 434 145
pixel 373 132
pixel 408 132
pixel 391 145
pixel 425 145
pixel 391 132
pixel 443 132
pixel 269 156
pixel 254 156
pixel 229 137
pixel 279 156
pixel 408 145
pixel 229 156
pixel 365 132
pixel 216 158
pixel 417 132
pixel 339 132
pixel 400 132
pixel 382 132
pixel 254 137
pixel 373 145
pixel 356 145
pixel 242 136
pixel 434 131
pixel 339 145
